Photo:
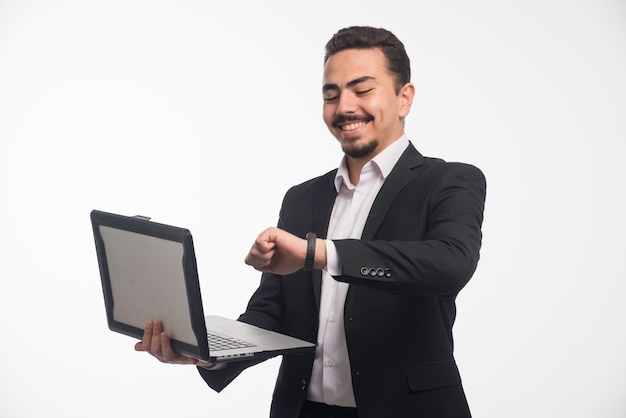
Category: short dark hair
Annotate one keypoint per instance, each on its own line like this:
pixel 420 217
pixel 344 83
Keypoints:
pixel 367 37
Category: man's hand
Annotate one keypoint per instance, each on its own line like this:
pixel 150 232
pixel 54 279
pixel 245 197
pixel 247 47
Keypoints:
pixel 157 343
pixel 278 251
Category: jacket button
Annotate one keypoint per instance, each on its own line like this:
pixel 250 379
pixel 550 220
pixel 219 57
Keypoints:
pixel 303 384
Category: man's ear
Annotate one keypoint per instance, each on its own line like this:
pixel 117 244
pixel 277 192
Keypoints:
pixel 406 96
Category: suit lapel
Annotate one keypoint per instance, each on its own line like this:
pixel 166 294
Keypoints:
pixel 401 175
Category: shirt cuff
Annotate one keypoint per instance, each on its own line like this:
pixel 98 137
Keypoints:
pixel 333 262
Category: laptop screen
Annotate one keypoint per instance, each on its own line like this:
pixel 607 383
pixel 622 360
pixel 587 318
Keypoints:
pixel 147 281
pixel 148 272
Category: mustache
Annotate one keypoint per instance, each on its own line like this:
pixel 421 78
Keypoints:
pixel 350 117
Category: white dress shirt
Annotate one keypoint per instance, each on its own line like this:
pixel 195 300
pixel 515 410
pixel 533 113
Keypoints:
pixel 331 380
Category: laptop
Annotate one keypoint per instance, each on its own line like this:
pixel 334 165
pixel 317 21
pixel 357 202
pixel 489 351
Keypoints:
pixel 148 272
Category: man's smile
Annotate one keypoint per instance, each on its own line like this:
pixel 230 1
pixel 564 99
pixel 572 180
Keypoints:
pixel 352 125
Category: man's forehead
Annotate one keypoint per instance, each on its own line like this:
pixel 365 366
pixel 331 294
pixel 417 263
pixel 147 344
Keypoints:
pixel 355 65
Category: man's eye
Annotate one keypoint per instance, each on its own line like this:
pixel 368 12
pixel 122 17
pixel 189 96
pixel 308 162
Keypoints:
pixel 363 92
pixel 331 99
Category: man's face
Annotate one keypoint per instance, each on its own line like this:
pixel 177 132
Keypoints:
pixel 361 107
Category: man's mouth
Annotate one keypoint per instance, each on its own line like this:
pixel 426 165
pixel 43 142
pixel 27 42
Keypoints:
pixel 352 125
pixel 351 122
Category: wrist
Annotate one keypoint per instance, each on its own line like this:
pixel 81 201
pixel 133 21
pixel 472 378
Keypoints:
pixel 315 256
pixel 311 244
pixel 320 255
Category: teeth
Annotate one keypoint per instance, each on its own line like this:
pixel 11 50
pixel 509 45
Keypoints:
pixel 351 126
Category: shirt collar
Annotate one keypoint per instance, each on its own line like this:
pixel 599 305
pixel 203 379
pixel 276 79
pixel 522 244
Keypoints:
pixel 385 161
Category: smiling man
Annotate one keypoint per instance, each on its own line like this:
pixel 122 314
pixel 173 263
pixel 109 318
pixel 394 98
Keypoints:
pixel 366 260
pixel 364 104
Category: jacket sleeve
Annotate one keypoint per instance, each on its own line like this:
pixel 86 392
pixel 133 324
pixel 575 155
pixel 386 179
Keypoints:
pixel 433 249
pixel 264 311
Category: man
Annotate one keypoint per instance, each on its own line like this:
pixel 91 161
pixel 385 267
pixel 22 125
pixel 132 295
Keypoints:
pixel 367 259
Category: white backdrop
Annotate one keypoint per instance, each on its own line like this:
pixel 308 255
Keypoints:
pixel 202 115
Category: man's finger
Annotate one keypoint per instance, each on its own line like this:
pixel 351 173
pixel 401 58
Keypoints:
pixel 166 348
pixel 144 344
pixel 155 342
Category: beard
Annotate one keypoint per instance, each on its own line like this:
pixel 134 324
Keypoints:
pixel 357 152
pixel 350 147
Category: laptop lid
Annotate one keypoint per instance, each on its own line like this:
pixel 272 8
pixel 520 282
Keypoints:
pixel 148 272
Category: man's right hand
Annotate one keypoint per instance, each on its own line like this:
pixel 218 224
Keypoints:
pixel 157 343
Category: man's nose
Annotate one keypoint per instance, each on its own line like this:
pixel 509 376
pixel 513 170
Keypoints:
pixel 346 104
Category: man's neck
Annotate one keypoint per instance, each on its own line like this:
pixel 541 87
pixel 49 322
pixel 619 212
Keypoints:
pixel 355 166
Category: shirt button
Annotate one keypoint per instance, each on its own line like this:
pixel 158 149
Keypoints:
pixel 332 318
pixel 331 363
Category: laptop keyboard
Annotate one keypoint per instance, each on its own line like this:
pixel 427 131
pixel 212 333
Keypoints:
pixel 222 342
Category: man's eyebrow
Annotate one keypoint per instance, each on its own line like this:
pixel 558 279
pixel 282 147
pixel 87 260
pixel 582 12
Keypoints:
pixel 327 87
pixel 360 80
pixel 351 83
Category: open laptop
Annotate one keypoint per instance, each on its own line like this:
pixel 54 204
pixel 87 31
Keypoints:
pixel 148 272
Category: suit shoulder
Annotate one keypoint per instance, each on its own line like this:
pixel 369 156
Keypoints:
pixel 313 184
pixel 453 167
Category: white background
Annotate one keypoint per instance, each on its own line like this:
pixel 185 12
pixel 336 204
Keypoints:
pixel 202 115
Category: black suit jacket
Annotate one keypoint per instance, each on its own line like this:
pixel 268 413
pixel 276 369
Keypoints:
pixel 422 240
